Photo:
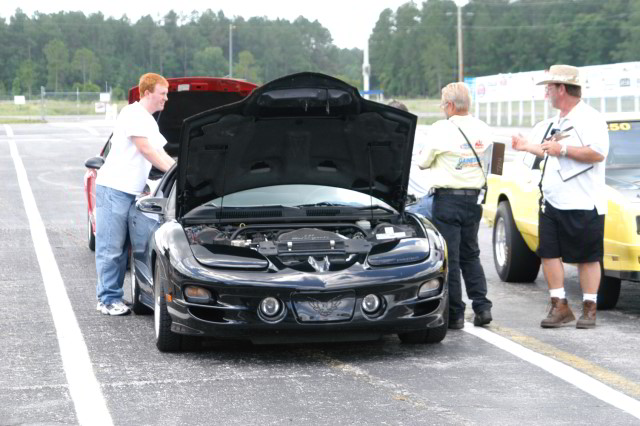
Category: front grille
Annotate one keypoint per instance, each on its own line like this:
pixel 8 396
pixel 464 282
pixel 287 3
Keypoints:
pixel 424 308
pixel 207 314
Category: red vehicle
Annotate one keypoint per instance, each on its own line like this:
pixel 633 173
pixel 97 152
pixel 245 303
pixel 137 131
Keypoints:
pixel 187 96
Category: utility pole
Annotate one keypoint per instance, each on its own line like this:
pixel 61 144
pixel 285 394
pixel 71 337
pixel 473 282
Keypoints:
pixel 230 50
pixel 366 70
pixel 460 62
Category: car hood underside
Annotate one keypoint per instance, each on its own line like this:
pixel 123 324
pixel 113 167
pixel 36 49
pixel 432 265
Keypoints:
pixel 306 128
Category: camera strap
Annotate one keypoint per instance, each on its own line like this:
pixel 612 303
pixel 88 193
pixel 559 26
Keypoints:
pixel 475 154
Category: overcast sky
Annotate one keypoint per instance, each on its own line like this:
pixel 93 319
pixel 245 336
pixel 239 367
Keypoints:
pixel 349 21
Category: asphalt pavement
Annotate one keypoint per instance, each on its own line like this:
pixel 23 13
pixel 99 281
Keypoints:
pixel 65 363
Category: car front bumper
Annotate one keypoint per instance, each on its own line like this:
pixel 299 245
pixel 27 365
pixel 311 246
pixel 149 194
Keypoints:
pixel 336 312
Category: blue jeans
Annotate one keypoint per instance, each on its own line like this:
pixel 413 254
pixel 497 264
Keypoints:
pixel 112 241
pixel 423 206
pixel 457 217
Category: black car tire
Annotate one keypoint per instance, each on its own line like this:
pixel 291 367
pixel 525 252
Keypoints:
pixel 137 306
pixel 430 335
pixel 90 235
pixel 166 340
pixel 513 259
pixel 609 291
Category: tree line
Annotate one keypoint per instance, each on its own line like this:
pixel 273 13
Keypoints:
pixel 413 50
pixel 70 51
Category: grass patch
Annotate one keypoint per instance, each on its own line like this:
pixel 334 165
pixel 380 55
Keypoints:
pixel 35 108
pixel 415 106
pixel 428 120
pixel 18 120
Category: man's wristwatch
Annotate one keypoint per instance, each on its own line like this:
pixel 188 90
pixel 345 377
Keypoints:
pixel 563 150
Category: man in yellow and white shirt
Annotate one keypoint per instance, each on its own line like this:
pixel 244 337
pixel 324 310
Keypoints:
pixel 457 179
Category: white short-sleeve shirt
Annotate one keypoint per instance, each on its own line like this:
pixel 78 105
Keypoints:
pixel 125 168
pixel 586 190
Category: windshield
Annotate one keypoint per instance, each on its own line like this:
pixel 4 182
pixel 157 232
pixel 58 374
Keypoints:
pixel 624 145
pixel 298 195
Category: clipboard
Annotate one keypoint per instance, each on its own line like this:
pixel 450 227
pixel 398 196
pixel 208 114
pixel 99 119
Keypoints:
pixel 566 174
pixel 577 168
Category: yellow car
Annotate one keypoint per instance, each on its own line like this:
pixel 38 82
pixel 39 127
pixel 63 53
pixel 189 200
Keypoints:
pixel 512 209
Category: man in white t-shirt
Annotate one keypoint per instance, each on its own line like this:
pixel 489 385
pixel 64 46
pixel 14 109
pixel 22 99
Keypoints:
pixel 136 145
pixel 452 154
pixel 574 203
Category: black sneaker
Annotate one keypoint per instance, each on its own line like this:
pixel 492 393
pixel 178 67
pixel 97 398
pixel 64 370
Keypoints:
pixel 482 318
pixel 456 324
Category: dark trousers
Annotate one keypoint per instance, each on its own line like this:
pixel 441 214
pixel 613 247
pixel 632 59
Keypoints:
pixel 457 217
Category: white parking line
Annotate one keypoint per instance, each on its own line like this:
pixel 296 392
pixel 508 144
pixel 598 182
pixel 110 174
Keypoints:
pixel 570 375
pixel 90 405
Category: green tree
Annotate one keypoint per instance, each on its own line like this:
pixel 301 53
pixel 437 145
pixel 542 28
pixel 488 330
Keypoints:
pixel 246 67
pixel 27 74
pixel 629 47
pixel 57 57
pixel 438 45
pixel 210 61
pixel 85 62
pixel 15 87
pixel 380 50
pixel 160 48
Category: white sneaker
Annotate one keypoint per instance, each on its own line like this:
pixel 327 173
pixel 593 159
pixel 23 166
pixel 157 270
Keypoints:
pixel 99 307
pixel 115 308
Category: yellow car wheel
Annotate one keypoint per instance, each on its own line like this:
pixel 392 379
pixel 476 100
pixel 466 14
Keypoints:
pixel 513 259
pixel 609 291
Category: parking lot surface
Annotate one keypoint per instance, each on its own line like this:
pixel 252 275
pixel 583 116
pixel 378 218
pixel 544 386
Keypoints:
pixel 65 363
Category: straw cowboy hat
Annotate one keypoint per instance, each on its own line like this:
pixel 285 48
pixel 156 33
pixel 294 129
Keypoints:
pixel 562 74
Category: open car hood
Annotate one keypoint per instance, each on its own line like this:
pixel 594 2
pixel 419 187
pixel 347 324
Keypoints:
pixel 305 128
pixel 189 96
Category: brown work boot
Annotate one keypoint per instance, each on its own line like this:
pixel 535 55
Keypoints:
pixel 559 314
pixel 588 318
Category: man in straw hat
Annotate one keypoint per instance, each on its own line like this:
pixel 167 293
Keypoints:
pixel 573 203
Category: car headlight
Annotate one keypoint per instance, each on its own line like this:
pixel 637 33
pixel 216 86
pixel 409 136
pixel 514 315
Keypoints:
pixel 195 294
pixel 428 288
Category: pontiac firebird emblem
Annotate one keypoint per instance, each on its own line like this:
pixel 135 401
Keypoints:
pixel 325 308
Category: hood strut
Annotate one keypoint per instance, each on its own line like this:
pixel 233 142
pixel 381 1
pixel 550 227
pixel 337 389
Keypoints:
pixel 224 178
pixel 370 158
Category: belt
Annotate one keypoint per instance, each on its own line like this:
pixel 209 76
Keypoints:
pixel 456 191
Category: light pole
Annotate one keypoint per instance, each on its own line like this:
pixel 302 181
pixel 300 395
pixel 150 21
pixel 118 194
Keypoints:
pixel 459 5
pixel 460 73
pixel 231 27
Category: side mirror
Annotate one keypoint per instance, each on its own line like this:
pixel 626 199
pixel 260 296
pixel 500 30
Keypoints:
pixel 152 205
pixel 94 163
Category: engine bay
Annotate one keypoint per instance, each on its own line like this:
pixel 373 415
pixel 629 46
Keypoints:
pixel 315 246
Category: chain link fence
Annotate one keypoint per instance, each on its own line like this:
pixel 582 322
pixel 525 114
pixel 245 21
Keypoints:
pixel 47 106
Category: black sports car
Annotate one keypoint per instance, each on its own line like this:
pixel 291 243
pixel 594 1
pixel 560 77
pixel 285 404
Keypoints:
pixel 284 220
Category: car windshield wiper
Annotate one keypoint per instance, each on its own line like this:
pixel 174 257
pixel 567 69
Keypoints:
pixel 256 206
pixel 324 204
